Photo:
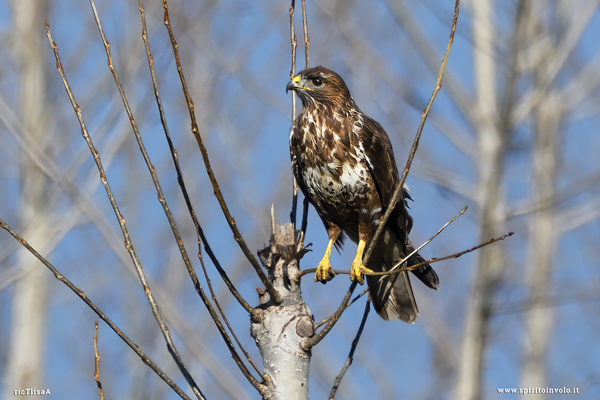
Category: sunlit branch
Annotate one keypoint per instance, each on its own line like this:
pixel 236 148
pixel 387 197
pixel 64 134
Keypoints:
pixel 80 293
pixel 415 145
pixel 338 379
pixel 275 296
pixel 199 231
pixel 147 291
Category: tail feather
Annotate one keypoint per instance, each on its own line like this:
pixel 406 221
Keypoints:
pixel 393 297
pixel 425 273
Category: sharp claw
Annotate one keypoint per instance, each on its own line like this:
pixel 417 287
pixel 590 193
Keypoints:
pixel 324 272
pixel 356 272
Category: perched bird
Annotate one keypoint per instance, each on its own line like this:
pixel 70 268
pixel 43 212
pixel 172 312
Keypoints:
pixel 344 164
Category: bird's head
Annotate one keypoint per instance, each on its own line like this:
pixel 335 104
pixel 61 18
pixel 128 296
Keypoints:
pixel 320 86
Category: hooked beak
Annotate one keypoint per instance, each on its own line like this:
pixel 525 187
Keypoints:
pixel 293 84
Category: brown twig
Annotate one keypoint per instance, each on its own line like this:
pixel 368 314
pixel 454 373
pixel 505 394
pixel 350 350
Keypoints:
pixel 275 296
pixel 199 232
pixel 97 362
pixel 332 320
pixel 306 39
pixel 412 267
pixel 145 359
pixel 461 212
pixel 338 379
pixel 294 45
pixel 413 150
pixel 147 291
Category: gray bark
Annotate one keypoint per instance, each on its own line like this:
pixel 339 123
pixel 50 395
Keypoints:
pixel 280 330
pixel 26 350
pixel 538 320
pixel 490 202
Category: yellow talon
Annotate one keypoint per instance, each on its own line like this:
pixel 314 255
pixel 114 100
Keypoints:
pixel 324 272
pixel 357 268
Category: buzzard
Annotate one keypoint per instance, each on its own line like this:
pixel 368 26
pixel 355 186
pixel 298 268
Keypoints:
pixel 344 164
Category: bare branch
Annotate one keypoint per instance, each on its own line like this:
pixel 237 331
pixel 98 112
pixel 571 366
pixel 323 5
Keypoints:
pixel 97 362
pixel 294 44
pixel 306 39
pixel 275 296
pixel 331 320
pixel 413 150
pixel 350 358
pixel 200 234
pixel 161 198
pixel 145 359
pixel 409 268
pixel 199 231
pixel 436 259
pixel 461 212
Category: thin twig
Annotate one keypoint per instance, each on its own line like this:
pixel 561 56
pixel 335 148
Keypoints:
pixel 338 379
pixel 410 268
pixel 275 296
pixel 145 359
pixel 332 320
pixel 413 150
pixel 199 232
pixel 157 315
pixel 306 39
pixel 343 272
pixel 294 44
pixel 97 362
pixel 461 212
pixel 304 216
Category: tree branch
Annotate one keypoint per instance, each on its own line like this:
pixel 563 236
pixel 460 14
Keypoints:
pixel 415 145
pixel 145 359
pixel 199 231
pixel 331 320
pixel 338 379
pixel 97 362
pixel 217 191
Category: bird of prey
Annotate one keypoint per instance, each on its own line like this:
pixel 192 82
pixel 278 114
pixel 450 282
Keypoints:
pixel 343 162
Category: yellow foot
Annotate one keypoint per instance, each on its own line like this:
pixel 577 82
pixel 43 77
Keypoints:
pixel 356 270
pixel 324 272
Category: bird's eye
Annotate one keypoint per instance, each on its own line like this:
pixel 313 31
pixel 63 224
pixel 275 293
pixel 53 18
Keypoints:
pixel 317 81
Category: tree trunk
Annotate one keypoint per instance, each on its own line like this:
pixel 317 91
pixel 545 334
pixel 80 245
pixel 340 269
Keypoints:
pixel 280 330
pixel 26 351
pixel 490 202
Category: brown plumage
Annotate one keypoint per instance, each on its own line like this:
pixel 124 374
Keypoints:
pixel 344 164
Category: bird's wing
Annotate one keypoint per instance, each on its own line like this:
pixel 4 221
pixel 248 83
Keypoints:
pixel 379 156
